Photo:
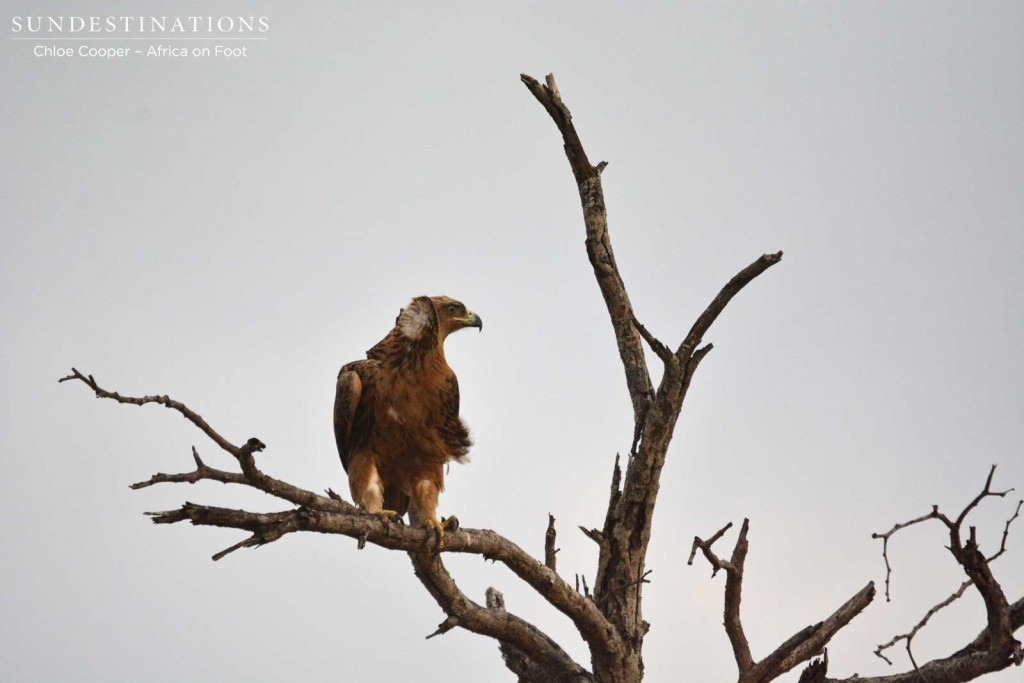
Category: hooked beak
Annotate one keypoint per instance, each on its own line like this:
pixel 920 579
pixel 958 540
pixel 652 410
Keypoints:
pixel 473 320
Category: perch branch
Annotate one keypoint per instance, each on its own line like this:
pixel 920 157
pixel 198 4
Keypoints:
pixel 331 514
pixel 383 532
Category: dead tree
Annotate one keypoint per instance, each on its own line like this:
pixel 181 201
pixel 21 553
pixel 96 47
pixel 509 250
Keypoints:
pixel 608 616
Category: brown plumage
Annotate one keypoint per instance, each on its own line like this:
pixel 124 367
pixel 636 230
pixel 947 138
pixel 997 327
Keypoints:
pixel 396 414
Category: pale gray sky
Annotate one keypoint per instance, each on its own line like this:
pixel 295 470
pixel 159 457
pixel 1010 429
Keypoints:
pixel 230 232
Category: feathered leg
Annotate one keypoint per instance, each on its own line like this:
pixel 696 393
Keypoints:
pixel 423 508
pixel 366 486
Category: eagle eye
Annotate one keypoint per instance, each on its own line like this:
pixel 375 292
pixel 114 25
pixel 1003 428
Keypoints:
pixel 454 308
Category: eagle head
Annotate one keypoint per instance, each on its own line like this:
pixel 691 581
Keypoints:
pixel 440 315
pixel 453 315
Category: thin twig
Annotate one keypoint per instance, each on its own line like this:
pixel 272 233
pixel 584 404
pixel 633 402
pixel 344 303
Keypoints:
pixel 659 349
pixel 164 400
pixel 934 514
pixel 705 546
pixel 974 563
pixel 593 534
pixel 202 472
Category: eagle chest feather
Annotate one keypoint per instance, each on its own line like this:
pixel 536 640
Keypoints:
pixel 418 414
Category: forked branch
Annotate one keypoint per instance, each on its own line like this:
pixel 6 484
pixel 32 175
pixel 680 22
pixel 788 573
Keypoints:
pixel 975 565
pixel 806 643
pixel 623 540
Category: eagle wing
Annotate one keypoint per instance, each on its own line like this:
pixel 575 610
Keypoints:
pixel 351 419
pixel 453 430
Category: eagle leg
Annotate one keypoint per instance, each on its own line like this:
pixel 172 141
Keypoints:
pixel 423 509
pixel 367 487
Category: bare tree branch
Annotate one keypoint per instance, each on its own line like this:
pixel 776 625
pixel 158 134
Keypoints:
pixel 803 645
pixel 501 625
pixel 660 350
pixel 705 547
pixel 593 534
pixel 997 647
pixel 956 668
pixel 733 596
pixel 599 246
pixel 549 544
pixel 820 634
pixel 202 472
pixel 715 308
pixel 985 493
pixel 1006 532
pixel 165 401
pixel 518 662
pixel 957 594
pixel 909 636
pixel 984 638
pixel 934 514
pixel 332 515
pixel 243 454
pixel 627 528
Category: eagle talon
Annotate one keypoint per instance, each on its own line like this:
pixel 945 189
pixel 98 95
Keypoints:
pixel 437 527
pixel 383 514
pixel 450 523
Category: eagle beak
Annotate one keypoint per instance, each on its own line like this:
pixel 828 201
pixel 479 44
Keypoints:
pixel 473 320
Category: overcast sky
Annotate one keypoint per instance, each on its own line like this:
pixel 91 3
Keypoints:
pixel 230 232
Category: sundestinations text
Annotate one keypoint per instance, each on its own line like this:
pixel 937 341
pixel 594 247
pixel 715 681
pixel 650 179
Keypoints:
pixel 140 24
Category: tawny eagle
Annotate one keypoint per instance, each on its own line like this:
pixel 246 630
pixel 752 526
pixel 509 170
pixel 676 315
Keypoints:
pixel 396 414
